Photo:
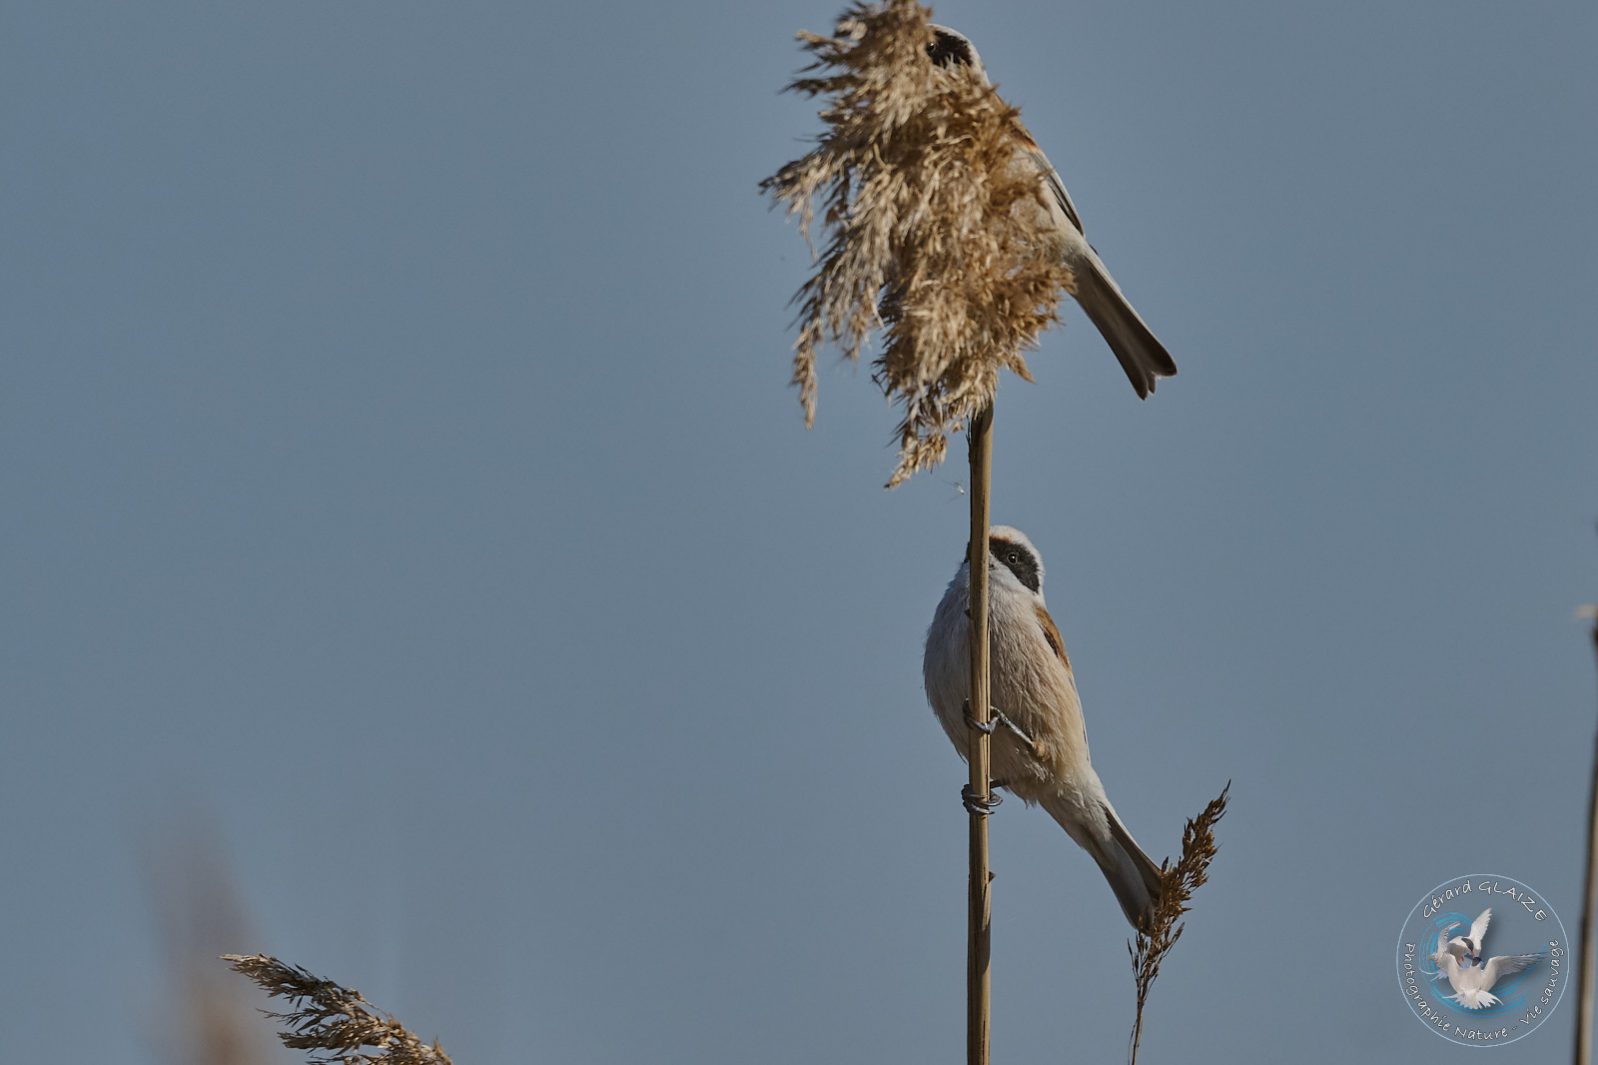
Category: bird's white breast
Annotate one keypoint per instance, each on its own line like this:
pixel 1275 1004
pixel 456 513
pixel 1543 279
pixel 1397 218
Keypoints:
pixel 1029 684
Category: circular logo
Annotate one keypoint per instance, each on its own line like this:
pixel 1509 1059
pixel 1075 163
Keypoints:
pixel 1482 959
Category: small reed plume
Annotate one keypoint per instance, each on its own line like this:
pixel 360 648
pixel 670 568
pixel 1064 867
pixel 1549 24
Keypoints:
pixel 1191 872
pixel 334 1020
pixel 933 230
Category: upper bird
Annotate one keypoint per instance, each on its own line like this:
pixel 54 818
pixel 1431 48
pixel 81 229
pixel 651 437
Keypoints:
pixel 1041 754
pixel 1142 356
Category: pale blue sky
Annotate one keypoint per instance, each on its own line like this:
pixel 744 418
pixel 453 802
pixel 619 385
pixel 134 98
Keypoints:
pixel 399 470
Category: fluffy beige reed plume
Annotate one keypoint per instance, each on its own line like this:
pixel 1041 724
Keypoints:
pixel 932 229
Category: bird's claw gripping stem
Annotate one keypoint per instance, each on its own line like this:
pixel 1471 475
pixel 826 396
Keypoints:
pixel 976 804
pixel 999 718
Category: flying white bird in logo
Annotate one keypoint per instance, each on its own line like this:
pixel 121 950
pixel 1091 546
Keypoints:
pixel 1469 948
pixel 1473 983
pixel 1466 949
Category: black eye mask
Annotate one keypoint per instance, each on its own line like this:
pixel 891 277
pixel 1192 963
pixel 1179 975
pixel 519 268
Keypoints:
pixel 947 51
pixel 1018 560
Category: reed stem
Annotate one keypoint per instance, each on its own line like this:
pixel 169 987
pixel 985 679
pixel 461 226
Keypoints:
pixel 979 986
pixel 1584 968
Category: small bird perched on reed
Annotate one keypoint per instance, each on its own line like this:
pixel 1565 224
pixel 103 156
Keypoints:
pixel 1039 750
pixel 1141 355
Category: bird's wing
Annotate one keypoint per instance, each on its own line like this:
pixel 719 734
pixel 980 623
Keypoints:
pixel 1051 633
pixel 1506 965
pixel 1448 967
pixel 1478 928
pixel 1056 186
pixel 1442 950
pixel 1051 177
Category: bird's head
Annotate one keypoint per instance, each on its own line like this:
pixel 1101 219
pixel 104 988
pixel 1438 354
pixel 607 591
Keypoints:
pixel 1011 554
pixel 950 49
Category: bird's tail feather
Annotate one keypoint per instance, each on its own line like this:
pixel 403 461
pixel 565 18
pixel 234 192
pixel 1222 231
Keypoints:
pixel 1473 999
pixel 1131 873
pixel 1141 354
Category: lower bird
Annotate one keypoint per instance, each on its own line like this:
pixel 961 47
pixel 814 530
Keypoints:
pixel 1040 750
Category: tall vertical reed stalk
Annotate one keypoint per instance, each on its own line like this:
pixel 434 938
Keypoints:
pixel 1589 901
pixel 979 983
pixel 928 240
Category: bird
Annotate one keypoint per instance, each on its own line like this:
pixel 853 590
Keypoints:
pixel 1041 753
pixel 1140 353
pixel 1468 948
pixel 1473 983
pixel 1465 949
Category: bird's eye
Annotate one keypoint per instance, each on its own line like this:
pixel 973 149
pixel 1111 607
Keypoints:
pixel 1014 558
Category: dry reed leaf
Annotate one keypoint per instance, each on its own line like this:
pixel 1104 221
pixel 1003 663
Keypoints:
pixel 933 230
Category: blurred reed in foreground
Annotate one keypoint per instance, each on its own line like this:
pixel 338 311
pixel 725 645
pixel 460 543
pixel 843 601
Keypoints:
pixel 200 911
